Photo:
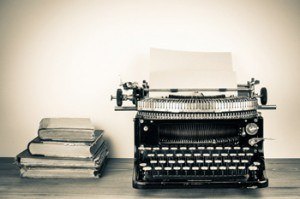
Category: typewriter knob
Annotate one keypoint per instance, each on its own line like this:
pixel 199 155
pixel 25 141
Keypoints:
pixel 119 97
pixel 252 128
pixel 263 96
pixel 146 128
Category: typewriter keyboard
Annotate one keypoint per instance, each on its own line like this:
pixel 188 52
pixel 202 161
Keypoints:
pixel 194 162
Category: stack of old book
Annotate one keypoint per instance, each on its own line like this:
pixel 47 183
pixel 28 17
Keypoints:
pixel 64 148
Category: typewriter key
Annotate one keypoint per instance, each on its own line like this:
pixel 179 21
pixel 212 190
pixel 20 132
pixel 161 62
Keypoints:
pixel 147 168
pixel 168 168
pixel 190 161
pixel 252 168
pixel 176 168
pixel 181 161
pixel 162 161
pixel 143 164
pixel 256 163
pixel 158 168
pixel 249 154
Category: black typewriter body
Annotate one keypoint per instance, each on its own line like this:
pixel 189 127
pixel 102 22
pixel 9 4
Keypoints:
pixel 196 158
pixel 190 141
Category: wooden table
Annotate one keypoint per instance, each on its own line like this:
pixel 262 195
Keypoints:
pixel 284 176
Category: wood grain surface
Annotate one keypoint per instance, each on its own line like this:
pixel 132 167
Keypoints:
pixel 284 176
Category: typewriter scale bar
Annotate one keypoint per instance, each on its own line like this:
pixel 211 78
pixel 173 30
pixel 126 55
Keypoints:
pixel 174 90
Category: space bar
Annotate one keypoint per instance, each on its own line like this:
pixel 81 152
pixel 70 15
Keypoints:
pixel 198 177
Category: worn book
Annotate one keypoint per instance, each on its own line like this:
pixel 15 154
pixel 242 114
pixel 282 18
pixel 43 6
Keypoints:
pixel 67 129
pixel 65 149
pixel 27 160
pixel 63 172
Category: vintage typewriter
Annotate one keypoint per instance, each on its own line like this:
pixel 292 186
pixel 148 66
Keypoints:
pixel 197 140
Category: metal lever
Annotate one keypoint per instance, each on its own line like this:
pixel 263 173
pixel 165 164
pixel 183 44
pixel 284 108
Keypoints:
pixel 254 141
pixel 267 107
pixel 125 108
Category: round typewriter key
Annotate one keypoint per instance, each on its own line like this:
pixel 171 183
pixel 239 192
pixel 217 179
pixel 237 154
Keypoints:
pixel 227 160
pixel 197 154
pixel 249 154
pixel 143 164
pixel 153 161
pixel 256 163
pixel 148 148
pixel 186 168
pixel 222 168
pixel 237 148
pixel 232 154
pixel 183 148
pixel 155 148
pixel 162 161
pixel 244 161
pixel 218 161
pixel 210 148
pixel 236 161
pixel 227 148
pixel 174 148
pixel 157 168
pixel 147 168
pixel 199 161
pixel 241 154
pixel 164 148
pixel 151 155
pixel 160 155
pixel 171 161
pixel 176 168
pixel 232 167
pixel 141 148
pixel 224 154
pixel 246 148
pixel 241 167
pixel 252 168
pixel 187 155
pixel 206 154
pixel 190 161
pixel 208 161
pixel 178 155
pixel 204 168
pixel 213 168
pixel 192 148
pixel 201 148
pixel 195 168
pixel 181 161
pixel 215 155
pixel 168 168
pixel 169 155
pixel 219 148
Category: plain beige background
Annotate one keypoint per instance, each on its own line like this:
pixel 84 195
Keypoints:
pixel 64 58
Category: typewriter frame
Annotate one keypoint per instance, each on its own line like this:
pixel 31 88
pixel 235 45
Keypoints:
pixel 142 137
pixel 141 93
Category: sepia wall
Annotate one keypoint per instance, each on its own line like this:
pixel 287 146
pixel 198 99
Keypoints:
pixel 65 58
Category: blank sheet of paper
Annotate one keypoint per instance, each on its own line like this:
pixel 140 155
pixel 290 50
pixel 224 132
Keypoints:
pixel 183 69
